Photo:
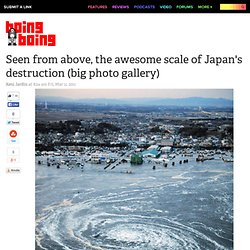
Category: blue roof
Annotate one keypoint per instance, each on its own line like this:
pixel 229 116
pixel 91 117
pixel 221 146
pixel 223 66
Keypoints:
pixel 152 151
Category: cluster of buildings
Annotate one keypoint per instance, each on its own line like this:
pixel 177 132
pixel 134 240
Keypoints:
pixel 134 135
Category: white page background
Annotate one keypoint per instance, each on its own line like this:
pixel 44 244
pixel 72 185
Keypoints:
pixel 125 35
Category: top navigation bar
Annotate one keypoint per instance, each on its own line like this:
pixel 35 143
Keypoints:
pixel 163 6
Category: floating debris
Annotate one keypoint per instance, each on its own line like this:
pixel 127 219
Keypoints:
pixel 107 166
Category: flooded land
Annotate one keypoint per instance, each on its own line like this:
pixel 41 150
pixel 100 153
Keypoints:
pixel 133 177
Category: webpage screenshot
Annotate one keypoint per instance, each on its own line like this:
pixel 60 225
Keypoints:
pixel 124 125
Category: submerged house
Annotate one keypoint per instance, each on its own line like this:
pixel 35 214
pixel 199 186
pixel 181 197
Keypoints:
pixel 136 159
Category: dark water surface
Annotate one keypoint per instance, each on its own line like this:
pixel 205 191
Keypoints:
pixel 186 206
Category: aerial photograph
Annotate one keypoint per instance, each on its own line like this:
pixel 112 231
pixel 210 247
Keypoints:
pixel 134 169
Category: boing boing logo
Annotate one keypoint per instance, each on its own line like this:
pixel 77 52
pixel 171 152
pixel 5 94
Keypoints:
pixel 12 37
pixel 28 34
